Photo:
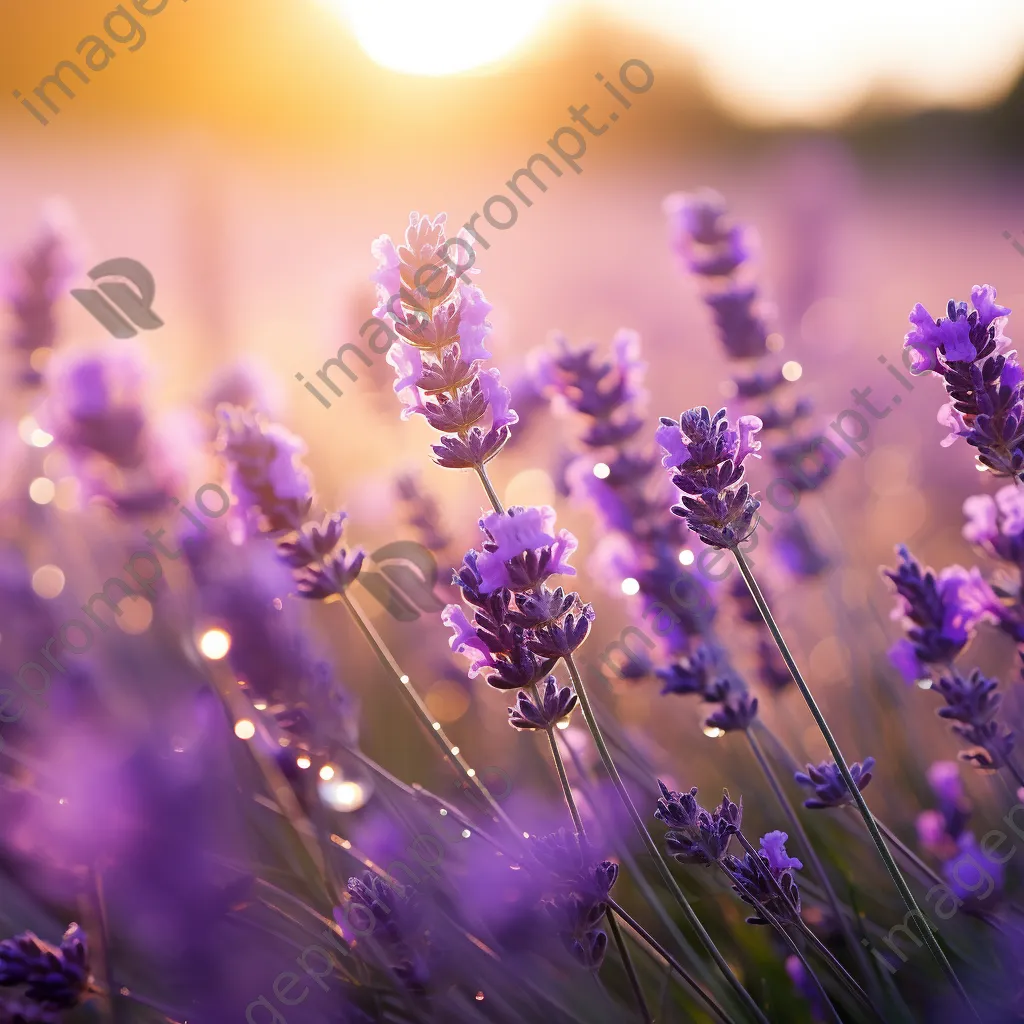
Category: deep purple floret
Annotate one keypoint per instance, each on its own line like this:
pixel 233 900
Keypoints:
pixel 707 455
pixel 555 704
pixel 941 613
pixel 984 381
pixel 697 836
pixel 830 789
pixel 753 886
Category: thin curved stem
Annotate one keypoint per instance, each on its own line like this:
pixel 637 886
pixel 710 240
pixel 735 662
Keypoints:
pixel 670 960
pixel 894 872
pixel 492 494
pixel 768 916
pixel 652 847
pixel 929 873
pixel 840 971
pixel 627 963
pixel 812 855
pixel 556 756
pixel 423 715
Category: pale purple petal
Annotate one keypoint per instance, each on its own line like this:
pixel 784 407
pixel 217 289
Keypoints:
pixel 983 298
pixel 499 398
pixel 670 437
pixel 474 327
pixel 951 418
pixel 464 640
pixel 981 526
pixel 903 657
pixel 773 846
pixel 1010 502
pixel 748 445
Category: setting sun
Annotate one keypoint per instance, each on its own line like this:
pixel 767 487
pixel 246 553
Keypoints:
pixel 411 37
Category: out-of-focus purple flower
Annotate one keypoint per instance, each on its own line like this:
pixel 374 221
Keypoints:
pixel 266 475
pixel 940 830
pixel 33 283
pixel 983 380
pixel 424 513
pixel 996 523
pixel 442 321
pixel 697 836
pixel 973 875
pixel 805 985
pixel 830 789
pixel 95 405
pixel 716 503
pixel 944 779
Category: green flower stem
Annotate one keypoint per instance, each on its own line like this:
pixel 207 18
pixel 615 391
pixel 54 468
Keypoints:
pixel 894 872
pixel 656 947
pixel 556 757
pixel 768 916
pixel 423 715
pixel 840 971
pixel 812 855
pixel 627 963
pixel 492 495
pixel 652 847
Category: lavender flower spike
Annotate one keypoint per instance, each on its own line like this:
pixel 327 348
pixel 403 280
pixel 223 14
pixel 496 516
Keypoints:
pixel 984 381
pixel 697 836
pixel 751 884
pixel 707 456
pixel 442 321
pixel 828 784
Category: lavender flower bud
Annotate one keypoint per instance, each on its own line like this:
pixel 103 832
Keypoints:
pixel 830 789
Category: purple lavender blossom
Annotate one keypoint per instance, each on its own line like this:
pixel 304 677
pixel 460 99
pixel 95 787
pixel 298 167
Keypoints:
pixel 983 379
pixel 580 884
pixel 707 456
pixel 54 977
pixel 973 703
pixel 620 481
pixel 266 476
pixel 555 705
pixel 830 789
pixel 697 836
pixel 438 359
pixel 712 248
pixel 940 613
pixel 35 281
pixel 995 523
pixel 751 884
pixel 520 628
pixel 521 552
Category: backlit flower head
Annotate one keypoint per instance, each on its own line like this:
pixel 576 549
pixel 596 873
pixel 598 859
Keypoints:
pixel 439 342
pixel 519 626
pixel 707 457
pixel 984 381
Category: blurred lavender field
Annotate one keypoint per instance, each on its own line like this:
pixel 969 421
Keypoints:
pixel 258 793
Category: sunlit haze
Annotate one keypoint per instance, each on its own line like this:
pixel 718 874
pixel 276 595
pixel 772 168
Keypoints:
pixel 409 36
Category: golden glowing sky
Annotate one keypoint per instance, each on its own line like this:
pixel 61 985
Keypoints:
pixel 798 61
